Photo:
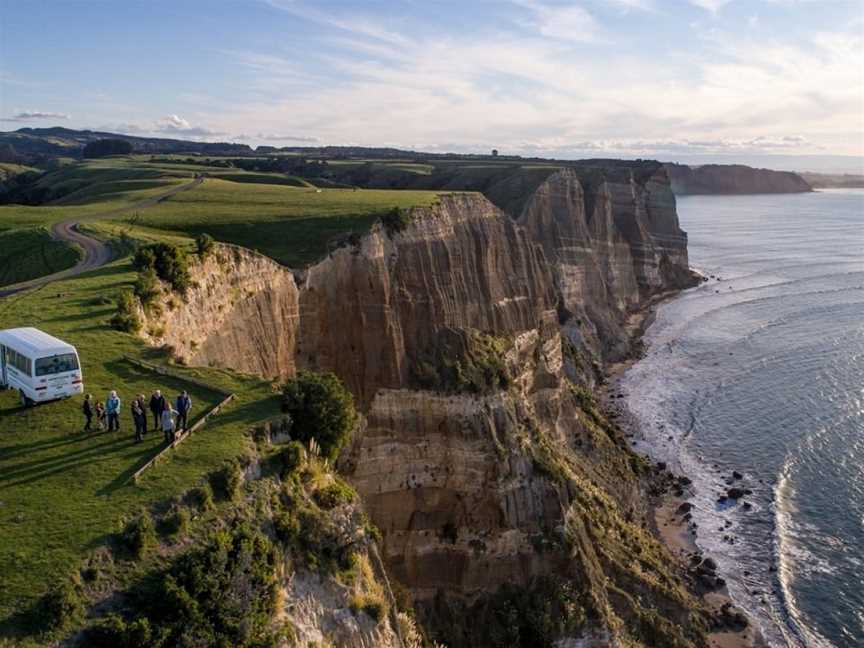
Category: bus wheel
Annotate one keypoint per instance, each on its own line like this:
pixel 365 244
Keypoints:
pixel 26 402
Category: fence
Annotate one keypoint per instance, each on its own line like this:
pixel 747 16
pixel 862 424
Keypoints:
pixel 165 371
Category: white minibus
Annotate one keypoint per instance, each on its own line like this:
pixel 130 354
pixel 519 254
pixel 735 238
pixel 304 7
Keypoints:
pixel 38 365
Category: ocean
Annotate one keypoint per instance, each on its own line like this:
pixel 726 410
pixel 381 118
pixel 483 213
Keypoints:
pixel 760 370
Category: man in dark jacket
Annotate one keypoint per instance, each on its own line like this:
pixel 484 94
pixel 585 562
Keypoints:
pixel 87 410
pixel 184 405
pixel 139 417
pixel 157 404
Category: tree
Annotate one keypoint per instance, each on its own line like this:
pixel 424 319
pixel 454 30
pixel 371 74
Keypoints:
pixel 321 408
pixel 104 147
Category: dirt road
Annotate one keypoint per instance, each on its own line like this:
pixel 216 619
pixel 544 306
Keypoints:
pixel 96 253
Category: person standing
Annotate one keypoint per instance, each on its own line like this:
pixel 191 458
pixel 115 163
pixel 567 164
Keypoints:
pixel 167 418
pixel 100 416
pixel 157 404
pixel 184 405
pixel 139 417
pixel 87 410
pixel 112 409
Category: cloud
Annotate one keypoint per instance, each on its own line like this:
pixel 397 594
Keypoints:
pixel 710 5
pixel 626 5
pixel 176 125
pixel 562 22
pixel 35 115
pixel 271 137
pixel 355 24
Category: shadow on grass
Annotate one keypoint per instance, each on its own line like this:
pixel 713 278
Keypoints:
pixel 37 470
pixel 86 315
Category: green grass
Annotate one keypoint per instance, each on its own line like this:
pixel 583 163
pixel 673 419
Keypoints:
pixel 7 170
pixel 290 224
pixel 31 252
pixel 62 492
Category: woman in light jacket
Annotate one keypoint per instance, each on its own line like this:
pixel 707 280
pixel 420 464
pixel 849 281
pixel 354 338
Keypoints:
pixel 167 420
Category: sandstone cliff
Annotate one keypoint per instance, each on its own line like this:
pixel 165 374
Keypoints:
pixel 510 507
pixel 733 179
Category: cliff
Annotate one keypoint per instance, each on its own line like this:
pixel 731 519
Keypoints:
pixel 733 179
pixel 511 509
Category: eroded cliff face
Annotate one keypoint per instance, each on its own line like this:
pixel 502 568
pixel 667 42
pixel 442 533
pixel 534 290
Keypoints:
pixel 368 312
pixel 613 241
pixel 241 312
pixel 488 471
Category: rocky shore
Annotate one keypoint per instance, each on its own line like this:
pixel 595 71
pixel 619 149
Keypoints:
pixel 671 519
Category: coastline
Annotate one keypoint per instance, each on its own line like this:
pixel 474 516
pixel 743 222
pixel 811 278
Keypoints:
pixel 668 504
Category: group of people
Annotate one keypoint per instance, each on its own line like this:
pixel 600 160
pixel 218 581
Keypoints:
pixel 170 420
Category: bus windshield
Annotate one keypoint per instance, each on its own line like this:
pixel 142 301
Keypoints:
pixel 56 364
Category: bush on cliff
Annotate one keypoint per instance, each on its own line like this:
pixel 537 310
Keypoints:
pixel 126 318
pixel 396 220
pixel 321 408
pixel 463 360
pixel 222 594
pixel 146 287
pixel 204 245
pixel 169 262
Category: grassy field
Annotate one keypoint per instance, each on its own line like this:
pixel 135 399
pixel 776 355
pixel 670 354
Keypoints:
pixel 31 252
pixel 290 224
pixel 63 492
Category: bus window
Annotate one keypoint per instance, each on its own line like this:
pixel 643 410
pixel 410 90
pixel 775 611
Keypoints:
pixel 56 364
pixel 18 360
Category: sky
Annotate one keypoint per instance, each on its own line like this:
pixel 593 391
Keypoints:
pixel 674 79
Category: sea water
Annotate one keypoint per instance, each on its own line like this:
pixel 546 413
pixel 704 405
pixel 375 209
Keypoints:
pixel 761 370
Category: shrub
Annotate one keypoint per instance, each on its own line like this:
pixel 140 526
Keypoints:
pixel 321 409
pixel 201 498
pixel 334 495
pixel 396 220
pixel 226 481
pixel 204 245
pixel 126 318
pixel 176 524
pixel 170 263
pixel 287 527
pixel 146 287
pixel 144 258
pixel 114 632
pixel 223 594
pixel 139 536
pixel 371 604
pixel 61 605
pixel 293 456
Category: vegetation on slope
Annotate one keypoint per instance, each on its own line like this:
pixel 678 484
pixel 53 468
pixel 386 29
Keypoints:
pixel 31 252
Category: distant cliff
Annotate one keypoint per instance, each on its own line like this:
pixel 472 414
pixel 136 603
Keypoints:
pixel 733 179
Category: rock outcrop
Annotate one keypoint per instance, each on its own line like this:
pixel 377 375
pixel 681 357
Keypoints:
pixel 733 179
pixel 495 480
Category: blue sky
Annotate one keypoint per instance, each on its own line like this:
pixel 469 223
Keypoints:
pixel 667 78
